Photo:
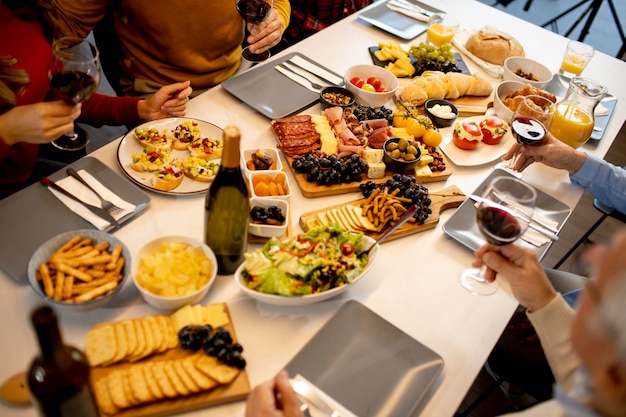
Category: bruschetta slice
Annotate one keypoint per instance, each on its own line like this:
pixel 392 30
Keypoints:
pixel 184 134
pixel 167 178
pixel 199 169
pixel 150 159
pixel 151 136
pixel 206 148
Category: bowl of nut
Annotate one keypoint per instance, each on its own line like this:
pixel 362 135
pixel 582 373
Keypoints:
pixel 260 159
pixel 401 154
pixel 336 96
pixel 79 270
pixel 527 71
pixel 173 271
pixel 268 217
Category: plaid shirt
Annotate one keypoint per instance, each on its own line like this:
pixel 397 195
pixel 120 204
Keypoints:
pixel 310 16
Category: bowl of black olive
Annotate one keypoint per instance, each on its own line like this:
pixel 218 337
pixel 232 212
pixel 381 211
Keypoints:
pixel 336 96
pixel 401 154
pixel 268 217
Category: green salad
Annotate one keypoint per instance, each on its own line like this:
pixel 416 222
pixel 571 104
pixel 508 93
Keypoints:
pixel 323 258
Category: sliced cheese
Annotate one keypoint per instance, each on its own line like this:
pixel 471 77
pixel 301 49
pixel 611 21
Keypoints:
pixel 376 170
pixel 329 144
pixel 423 171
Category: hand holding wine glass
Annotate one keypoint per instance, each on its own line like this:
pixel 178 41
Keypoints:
pixel 74 76
pixel 503 215
pixel 530 123
pixel 254 11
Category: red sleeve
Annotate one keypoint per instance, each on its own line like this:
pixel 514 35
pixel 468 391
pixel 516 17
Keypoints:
pixel 101 110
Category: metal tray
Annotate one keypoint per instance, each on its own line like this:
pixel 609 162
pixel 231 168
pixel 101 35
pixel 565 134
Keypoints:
pixel 395 23
pixel 34 215
pixel 271 93
pixel 559 85
pixel 366 364
pixel 462 225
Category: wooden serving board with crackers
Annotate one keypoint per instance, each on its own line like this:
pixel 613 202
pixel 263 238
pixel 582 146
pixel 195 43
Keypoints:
pixel 351 215
pixel 139 367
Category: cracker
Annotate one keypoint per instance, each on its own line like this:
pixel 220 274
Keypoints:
pixel 131 337
pixel 212 368
pixel 158 370
pixel 184 376
pixel 115 383
pixel 122 344
pixel 151 382
pixel 101 345
pixel 127 389
pixel 171 336
pixel 201 379
pixel 175 380
pixel 141 340
pixel 149 337
pixel 138 384
pixel 103 397
pixel 157 335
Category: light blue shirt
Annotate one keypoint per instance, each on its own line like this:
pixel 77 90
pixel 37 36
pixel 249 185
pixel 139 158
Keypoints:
pixel 606 182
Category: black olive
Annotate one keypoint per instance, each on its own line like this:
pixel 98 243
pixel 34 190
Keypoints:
pixel 258 214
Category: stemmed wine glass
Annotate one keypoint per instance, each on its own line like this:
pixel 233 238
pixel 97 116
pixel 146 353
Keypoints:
pixel 254 11
pixel 503 215
pixel 74 76
pixel 530 123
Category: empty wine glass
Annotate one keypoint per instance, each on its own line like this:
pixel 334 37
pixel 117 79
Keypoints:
pixel 503 215
pixel 254 11
pixel 74 76
pixel 530 123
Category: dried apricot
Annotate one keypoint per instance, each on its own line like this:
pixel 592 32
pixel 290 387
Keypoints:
pixel 262 189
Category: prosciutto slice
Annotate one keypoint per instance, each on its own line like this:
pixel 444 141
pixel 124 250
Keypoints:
pixel 378 137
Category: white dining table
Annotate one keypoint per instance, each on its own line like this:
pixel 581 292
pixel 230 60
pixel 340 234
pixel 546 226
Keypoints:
pixel 414 282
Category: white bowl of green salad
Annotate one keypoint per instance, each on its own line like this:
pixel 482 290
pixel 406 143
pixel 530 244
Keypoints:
pixel 290 273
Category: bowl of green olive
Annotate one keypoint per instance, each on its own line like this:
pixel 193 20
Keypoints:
pixel 401 154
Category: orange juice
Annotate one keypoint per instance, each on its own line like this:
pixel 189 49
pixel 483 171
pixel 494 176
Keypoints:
pixel 438 34
pixel 573 64
pixel 571 125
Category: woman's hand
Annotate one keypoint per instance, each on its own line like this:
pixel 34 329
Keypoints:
pixel 265 34
pixel 38 123
pixel 274 399
pixel 169 101
pixel 552 152
pixel 526 276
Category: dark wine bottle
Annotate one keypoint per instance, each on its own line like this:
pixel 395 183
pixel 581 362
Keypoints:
pixel 58 378
pixel 227 208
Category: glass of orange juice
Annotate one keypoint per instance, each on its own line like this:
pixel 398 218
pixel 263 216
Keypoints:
pixel 441 28
pixel 577 56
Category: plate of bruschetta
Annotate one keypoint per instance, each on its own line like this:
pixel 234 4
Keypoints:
pixel 176 155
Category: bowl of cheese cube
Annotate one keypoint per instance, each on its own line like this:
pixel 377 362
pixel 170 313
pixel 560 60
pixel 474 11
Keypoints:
pixel 172 271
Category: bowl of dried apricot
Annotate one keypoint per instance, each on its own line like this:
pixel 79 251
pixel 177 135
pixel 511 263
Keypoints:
pixel 272 184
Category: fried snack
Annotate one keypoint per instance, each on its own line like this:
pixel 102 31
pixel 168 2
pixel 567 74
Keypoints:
pixel 382 208
pixel 79 271
pixel 513 100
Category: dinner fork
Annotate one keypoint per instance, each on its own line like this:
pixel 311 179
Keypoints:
pixel 306 392
pixel 313 83
pixel 111 208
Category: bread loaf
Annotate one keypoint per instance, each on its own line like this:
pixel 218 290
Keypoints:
pixel 439 85
pixel 493 46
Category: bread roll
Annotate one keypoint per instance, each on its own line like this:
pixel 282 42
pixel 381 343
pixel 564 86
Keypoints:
pixel 493 46
pixel 451 85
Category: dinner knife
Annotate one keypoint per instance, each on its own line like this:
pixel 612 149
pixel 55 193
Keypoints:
pixel 289 63
pixel 316 69
pixel 294 77
pixel 409 13
pixel 540 226
pixel 98 211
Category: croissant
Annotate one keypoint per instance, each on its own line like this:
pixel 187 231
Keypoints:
pixel 439 85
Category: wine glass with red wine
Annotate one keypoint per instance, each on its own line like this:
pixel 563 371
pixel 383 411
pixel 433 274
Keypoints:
pixel 254 12
pixel 74 76
pixel 503 215
pixel 530 123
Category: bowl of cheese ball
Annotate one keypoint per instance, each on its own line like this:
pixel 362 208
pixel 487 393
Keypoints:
pixel 172 271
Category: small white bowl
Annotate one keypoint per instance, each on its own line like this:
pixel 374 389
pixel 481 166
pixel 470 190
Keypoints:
pixel 502 90
pixel 277 177
pixel 246 155
pixel 364 71
pixel 172 303
pixel 44 251
pixel 269 230
pixel 542 73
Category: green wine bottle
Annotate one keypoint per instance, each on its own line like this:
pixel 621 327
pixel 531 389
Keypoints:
pixel 58 379
pixel 227 208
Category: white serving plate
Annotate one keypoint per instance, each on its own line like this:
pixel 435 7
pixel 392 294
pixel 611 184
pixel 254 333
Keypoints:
pixel 281 300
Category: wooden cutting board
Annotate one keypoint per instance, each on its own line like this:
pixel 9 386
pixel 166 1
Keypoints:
pixel 235 391
pixel 449 197
pixel 312 189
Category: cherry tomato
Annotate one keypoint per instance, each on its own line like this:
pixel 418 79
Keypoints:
pixel 357 81
pixel 368 87
pixel 374 82
pixel 381 90
pixel 347 249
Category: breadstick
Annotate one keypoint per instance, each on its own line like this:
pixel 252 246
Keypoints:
pixel 70 243
pixel 67 287
pixel 115 255
pixel 58 286
pixel 96 292
pixel 73 271
pixel 48 288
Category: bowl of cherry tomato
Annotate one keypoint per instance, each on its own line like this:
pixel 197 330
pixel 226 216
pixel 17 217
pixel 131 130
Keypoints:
pixel 372 85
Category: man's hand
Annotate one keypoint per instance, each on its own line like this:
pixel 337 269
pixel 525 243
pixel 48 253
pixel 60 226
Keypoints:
pixel 265 34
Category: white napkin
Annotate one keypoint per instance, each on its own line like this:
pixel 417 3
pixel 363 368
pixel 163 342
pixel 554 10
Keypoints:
pixel 459 40
pixel 344 412
pixel 600 110
pixel 74 186
pixel 534 237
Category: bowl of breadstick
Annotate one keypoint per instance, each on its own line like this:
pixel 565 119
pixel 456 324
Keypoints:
pixel 79 270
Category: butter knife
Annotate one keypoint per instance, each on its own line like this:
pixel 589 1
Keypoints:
pixel 98 211
pixel 296 78
pixel 534 224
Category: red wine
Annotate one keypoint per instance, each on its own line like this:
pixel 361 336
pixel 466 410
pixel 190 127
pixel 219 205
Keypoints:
pixel 527 130
pixel 497 225
pixel 73 86
pixel 253 10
